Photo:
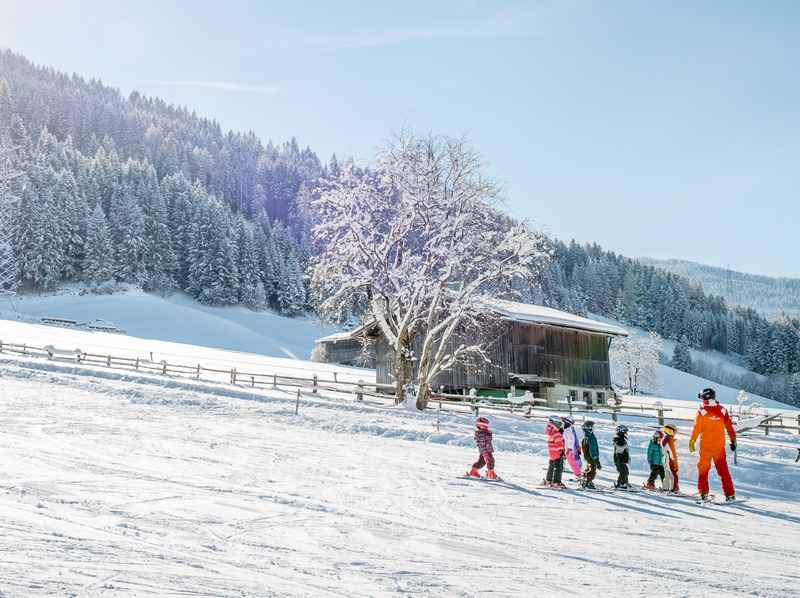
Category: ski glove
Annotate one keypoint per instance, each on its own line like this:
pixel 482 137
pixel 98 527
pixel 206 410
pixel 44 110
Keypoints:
pixel 733 446
pixel 691 446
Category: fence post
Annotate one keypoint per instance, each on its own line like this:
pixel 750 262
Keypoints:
pixel 569 403
pixel 766 428
pixel 335 378
pixel 274 381
pixel 614 414
pixel 438 413
pixel 360 390
pixel 164 368
pixel 297 403
pixel 108 361
pixel 1 346
pixel 660 416
pixel 197 375
pixel 137 364
pixel 316 382
pixel 253 381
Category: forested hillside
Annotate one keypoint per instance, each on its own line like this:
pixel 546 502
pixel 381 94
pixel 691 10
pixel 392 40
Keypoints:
pixel 135 190
pixel 587 279
pixel 770 296
pixel 140 191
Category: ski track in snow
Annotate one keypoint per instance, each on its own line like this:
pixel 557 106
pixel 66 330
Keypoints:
pixel 118 485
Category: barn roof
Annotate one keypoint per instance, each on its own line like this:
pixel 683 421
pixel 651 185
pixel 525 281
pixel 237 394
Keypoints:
pixel 538 314
pixel 515 312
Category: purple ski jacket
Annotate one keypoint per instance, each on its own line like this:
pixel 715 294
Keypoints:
pixel 483 438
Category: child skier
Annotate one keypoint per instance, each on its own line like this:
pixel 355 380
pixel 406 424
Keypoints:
pixel 572 446
pixel 655 458
pixel 670 459
pixel 621 457
pixel 483 438
pixel 555 448
pixel 591 452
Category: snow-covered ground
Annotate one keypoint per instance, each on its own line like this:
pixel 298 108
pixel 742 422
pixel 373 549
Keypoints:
pixel 128 484
pixel 178 319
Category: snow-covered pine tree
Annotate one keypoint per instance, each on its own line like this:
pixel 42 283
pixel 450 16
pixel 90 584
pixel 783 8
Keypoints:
pixel 98 263
pixel 128 231
pixel 682 356
pixel 247 266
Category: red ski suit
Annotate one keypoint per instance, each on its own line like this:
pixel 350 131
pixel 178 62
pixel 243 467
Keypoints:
pixel 710 425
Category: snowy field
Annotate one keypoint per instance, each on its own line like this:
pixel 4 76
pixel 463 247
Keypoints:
pixel 125 484
pixel 177 319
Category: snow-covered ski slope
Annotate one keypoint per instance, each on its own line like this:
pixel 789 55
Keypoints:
pixel 179 319
pixel 128 484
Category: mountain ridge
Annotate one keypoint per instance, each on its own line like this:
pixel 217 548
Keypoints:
pixel 769 295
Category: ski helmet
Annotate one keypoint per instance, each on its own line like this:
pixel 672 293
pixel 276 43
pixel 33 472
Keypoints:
pixel 670 430
pixel 556 421
pixel 708 394
pixel 482 423
pixel 568 420
pixel 622 429
pixel 588 425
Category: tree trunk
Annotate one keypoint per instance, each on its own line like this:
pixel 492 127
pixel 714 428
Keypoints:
pixel 423 383
pixel 402 368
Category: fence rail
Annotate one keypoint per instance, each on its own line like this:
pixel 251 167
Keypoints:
pixel 524 406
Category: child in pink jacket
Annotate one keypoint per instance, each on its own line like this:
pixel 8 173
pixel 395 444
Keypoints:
pixel 555 449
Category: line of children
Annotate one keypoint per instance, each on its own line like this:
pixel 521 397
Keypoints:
pixel 563 443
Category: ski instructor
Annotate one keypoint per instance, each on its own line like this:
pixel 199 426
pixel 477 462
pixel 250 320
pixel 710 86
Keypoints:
pixel 710 425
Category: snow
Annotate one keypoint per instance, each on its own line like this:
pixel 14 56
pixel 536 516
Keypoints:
pixel 527 312
pixel 180 319
pixel 121 483
pixel 104 343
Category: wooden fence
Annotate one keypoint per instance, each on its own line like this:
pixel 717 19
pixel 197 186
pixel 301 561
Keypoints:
pixel 531 407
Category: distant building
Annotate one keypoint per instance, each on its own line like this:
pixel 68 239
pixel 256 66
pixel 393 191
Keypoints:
pixel 553 354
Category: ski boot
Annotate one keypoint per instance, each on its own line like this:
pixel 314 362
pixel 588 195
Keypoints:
pixel 558 486
pixel 590 486
pixel 730 498
pixel 648 486
pixel 491 475
pixel 474 473
pixel 705 497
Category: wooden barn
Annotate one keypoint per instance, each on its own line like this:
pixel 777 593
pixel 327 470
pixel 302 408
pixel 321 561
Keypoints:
pixel 551 353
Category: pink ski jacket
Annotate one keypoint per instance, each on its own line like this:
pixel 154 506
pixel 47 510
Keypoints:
pixel 555 441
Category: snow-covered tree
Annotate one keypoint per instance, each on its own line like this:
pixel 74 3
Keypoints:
pixel 682 356
pixel 98 264
pixel 421 238
pixel 634 362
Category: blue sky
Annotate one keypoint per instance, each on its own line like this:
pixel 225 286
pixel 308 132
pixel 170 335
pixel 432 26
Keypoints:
pixel 658 129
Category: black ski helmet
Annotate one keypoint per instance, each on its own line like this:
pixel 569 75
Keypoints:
pixel 622 429
pixel 588 425
pixel 708 394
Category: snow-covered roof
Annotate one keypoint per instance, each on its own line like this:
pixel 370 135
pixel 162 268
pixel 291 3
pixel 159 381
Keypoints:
pixel 341 336
pixel 538 314
pixel 516 312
